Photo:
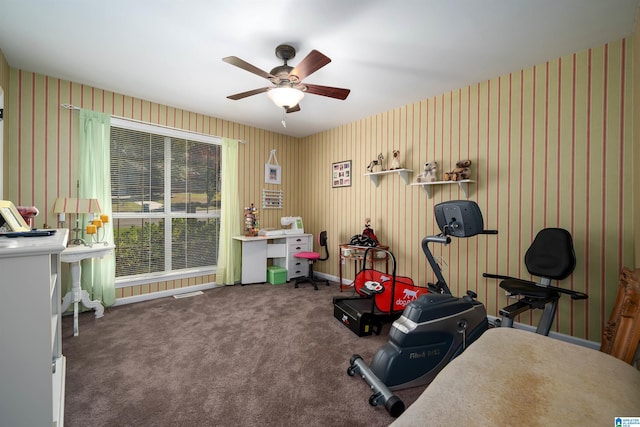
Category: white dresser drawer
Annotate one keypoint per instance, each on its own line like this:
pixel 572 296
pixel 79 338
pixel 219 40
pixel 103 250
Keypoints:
pixel 299 239
pixel 294 248
pixel 297 267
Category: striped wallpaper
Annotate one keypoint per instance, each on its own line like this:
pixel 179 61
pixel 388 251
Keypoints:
pixel 551 146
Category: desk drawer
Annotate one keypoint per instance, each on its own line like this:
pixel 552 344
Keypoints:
pixel 294 248
pixel 298 267
pixel 299 239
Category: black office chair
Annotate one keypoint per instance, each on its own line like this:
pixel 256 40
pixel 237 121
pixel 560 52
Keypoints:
pixel 551 257
pixel 313 257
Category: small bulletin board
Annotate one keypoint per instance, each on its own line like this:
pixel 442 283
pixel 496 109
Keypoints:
pixel 341 174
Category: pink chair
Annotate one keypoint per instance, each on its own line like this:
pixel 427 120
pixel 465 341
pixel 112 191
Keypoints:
pixel 313 257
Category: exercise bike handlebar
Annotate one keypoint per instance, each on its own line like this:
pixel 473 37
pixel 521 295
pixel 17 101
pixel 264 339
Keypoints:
pixel 440 238
pixel 489 232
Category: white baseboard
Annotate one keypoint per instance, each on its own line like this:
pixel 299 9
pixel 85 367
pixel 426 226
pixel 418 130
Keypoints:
pixel 167 293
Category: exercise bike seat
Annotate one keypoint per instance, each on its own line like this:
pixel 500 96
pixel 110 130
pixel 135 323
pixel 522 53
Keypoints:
pixel 551 256
pixel 528 289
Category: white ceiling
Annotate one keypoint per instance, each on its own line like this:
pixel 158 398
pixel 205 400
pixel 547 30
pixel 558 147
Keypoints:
pixel 388 52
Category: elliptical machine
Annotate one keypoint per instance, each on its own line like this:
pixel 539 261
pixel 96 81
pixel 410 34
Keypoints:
pixel 433 329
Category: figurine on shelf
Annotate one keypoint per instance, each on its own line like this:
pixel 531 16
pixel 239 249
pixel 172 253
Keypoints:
pixel 461 172
pixel 375 163
pixel 429 173
pixel 395 161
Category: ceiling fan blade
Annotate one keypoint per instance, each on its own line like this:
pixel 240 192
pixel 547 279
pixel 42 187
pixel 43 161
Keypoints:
pixel 310 64
pixel 234 60
pixel 331 92
pixel 293 109
pixel 248 93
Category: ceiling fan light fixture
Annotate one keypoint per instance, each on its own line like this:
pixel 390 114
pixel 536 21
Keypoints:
pixel 285 96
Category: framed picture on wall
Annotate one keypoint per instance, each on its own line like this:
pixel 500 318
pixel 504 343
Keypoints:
pixel 341 174
pixel 272 174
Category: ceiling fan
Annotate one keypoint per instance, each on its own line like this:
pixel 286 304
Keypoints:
pixel 288 88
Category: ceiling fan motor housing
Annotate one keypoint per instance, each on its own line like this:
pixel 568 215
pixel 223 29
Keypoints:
pixel 285 52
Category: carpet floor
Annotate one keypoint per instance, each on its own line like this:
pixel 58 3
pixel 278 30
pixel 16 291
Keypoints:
pixel 256 355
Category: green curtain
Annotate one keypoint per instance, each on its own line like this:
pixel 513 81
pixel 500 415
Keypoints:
pixel 94 173
pixel 229 268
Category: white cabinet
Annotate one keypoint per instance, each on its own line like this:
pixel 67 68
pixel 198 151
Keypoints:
pixel 296 267
pixel 32 367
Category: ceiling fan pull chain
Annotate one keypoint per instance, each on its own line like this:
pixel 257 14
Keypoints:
pixel 284 117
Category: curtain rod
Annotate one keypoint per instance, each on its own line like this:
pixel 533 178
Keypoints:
pixel 74 108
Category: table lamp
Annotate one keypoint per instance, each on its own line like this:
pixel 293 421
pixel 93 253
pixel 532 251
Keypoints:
pixel 76 206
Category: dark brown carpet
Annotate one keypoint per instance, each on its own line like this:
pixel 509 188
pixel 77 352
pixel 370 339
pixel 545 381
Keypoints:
pixel 258 355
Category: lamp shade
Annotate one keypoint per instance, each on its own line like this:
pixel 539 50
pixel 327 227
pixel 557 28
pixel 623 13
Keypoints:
pixel 285 96
pixel 75 205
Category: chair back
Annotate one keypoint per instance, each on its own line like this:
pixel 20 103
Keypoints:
pixel 322 242
pixel 551 255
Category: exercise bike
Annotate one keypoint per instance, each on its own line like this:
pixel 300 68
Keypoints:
pixel 433 329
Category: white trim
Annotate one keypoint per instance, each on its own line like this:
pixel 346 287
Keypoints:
pixel 168 243
pixel 163 276
pixel 164 130
pixel 163 294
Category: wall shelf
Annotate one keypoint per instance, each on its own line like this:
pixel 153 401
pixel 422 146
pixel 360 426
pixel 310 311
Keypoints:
pixel 464 186
pixel 375 176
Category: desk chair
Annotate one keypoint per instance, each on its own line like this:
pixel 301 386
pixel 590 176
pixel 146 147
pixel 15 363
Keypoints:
pixel 312 257
pixel 551 257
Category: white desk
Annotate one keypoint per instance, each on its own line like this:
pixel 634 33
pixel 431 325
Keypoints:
pixel 73 255
pixel 280 249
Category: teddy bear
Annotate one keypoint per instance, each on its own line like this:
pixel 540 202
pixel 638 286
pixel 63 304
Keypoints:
pixel 395 161
pixel 461 171
pixel 429 173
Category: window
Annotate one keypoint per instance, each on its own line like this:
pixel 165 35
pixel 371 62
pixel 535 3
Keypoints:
pixel 165 188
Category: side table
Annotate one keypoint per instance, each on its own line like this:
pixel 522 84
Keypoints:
pixel 356 253
pixel 72 255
